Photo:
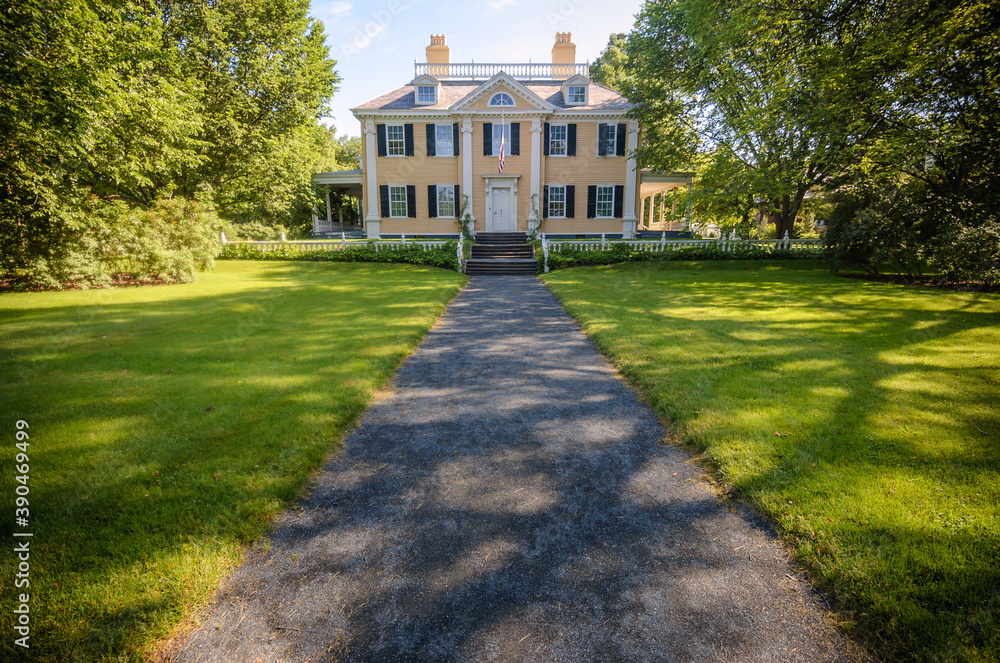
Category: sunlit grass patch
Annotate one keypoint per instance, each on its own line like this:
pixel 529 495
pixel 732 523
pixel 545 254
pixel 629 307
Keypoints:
pixel 863 418
pixel 170 424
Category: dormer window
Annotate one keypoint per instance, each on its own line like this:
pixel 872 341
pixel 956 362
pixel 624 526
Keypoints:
pixel 576 94
pixel 426 94
pixel 501 99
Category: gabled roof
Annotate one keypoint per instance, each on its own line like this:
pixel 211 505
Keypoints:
pixel 577 79
pixel 502 79
pixel 402 98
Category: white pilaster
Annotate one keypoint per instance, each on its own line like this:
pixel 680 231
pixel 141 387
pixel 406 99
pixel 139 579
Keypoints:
pixel 536 171
pixel 628 223
pixel 371 157
pixel 467 186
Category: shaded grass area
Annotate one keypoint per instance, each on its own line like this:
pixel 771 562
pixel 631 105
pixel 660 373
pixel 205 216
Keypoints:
pixel 863 418
pixel 170 424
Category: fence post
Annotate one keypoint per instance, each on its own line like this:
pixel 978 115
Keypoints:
pixel 545 252
pixel 786 240
pixel 283 237
pixel 403 236
pixel 222 237
pixel 461 255
pixel 604 243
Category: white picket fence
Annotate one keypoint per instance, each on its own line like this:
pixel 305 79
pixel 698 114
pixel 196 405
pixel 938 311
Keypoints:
pixel 343 244
pixel 664 245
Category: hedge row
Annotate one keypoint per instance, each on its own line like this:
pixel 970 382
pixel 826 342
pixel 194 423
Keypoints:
pixel 626 253
pixel 443 256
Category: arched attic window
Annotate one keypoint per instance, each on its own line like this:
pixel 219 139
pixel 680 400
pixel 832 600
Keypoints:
pixel 501 99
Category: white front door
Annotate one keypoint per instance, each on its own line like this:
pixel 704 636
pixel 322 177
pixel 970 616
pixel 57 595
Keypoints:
pixel 503 215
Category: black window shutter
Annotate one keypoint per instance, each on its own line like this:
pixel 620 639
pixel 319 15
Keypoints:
pixel 432 201
pixel 383 194
pixel 602 137
pixel 454 139
pixel 592 202
pixel 458 202
pixel 619 200
pixel 545 140
pixel 380 133
pixel 408 139
pixel 570 201
pixel 487 139
pixel 411 201
pixel 571 140
pixel 515 138
pixel 431 141
pixel 545 201
pixel 620 143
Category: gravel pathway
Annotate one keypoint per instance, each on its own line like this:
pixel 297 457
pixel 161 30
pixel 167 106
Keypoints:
pixel 510 500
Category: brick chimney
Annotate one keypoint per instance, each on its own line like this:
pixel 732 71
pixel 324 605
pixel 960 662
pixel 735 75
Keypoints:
pixel 438 53
pixel 563 52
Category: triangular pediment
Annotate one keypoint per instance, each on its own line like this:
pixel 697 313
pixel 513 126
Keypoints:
pixel 503 82
pixel 577 79
pixel 424 79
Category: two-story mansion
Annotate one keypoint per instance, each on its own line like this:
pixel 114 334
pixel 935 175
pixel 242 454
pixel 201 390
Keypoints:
pixel 432 144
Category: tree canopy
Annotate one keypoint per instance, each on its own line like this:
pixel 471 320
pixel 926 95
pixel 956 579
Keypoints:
pixel 137 101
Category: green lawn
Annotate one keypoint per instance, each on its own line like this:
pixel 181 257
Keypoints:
pixel 170 424
pixel 863 418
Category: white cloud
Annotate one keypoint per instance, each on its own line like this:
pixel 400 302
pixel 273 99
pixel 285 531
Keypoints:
pixel 497 5
pixel 338 8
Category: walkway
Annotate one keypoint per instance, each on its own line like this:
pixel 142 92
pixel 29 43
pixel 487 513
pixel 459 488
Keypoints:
pixel 510 500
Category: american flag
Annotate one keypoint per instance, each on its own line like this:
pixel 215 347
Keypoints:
pixel 503 144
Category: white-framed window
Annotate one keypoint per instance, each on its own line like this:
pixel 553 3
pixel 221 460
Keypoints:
pixel 498 130
pixel 446 201
pixel 605 201
pixel 397 201
pixel 607 136
pixel 577 94
pixel 501 99
pixel 557 140
pixel 395 140
pixel 426 94
pixel 444 139
pixel 557 202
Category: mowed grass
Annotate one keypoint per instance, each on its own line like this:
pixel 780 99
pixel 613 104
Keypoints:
pixel 863 418
pixel 170 424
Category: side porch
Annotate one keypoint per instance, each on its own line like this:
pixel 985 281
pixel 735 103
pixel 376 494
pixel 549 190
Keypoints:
pixel 343 211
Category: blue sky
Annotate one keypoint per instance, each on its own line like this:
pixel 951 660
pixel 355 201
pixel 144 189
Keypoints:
pixel 376 42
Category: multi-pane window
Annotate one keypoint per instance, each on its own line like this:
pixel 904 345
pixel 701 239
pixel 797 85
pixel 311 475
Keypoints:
pixel 446 201
pixel 605 201
pixel 557 141
pixel 395 140
pixel 498 130
pixel 397 202
pixel 426 94
pixel 577 94
pixel 607 135
pixel 557 202
pixel 501 99
pixel 445 141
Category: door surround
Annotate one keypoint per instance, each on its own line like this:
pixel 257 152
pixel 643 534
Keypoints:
pixel 500 181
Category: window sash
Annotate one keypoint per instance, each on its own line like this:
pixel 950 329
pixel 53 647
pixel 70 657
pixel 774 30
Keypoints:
pixel 499 129
pixel 557 202
pixel 557 141
pixel 610 140
pixel 501 99
pixel 397 202
pixel 444 141
pixel 395 140
pixel 605 202
pixel 425 94
pixel 577 94
pixel 446 201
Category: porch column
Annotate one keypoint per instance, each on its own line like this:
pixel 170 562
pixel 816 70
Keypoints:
pixel 329 212
pixel 536 171
pixel 690 206
pixel 371 154
pixel 628 223
pixel 467 186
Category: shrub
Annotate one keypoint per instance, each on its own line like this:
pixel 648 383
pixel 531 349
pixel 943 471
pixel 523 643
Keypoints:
pixel 970 254
pixel 621 252
pixel 443 256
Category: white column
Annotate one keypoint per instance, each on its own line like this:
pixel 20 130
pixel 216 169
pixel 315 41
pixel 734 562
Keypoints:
pixel 371 157
pixel 329 212
pixel 628 223
pixel 467 187
pixel 536 170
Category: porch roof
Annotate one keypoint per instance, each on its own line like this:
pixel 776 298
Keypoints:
pixel 348 181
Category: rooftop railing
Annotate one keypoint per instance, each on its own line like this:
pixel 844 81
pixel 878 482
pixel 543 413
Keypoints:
pixel 486 70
